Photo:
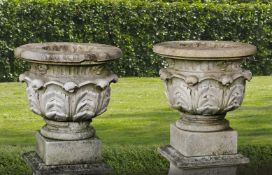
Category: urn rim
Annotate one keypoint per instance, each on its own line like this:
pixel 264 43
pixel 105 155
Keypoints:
pixel 204 50
pixel 67 53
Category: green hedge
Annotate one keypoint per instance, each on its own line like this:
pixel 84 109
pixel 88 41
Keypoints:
pixel 134 26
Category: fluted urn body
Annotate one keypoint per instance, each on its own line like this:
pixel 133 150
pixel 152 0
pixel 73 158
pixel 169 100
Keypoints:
pixel 204 80
pixel 68 84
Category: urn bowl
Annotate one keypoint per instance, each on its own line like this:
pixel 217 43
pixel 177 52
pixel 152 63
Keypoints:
pixel 204 80
pixel 68 84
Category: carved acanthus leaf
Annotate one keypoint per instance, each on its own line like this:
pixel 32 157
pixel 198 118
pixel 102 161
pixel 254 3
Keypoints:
pixel 209 98
pixel 192 78
pixel 85 105
pixel 179 95
pixel 234 97
pixel 104 101
pixel 67 86
pixel 55 105
pixel 33 99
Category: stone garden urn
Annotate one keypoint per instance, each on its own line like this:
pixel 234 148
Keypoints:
pixel 204 80
pixel 68 85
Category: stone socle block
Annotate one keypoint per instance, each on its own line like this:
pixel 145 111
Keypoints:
pixel 195 162
pixel 39 168
pixel 229 170
pixel 55 152
pixel 203 143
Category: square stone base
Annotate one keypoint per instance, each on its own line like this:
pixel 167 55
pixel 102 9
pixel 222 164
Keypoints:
pixel 203 143
pixel 182 162
pixel 59 152
pixel 40 168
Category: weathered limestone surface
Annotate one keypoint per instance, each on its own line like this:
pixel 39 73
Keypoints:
pixel 204 80
pixel 204 50
pixel 203 143
pixel 194 162
pixel 40 168
pixel 68 53
pixel 59 152
pixel 68 85
pixel 203 171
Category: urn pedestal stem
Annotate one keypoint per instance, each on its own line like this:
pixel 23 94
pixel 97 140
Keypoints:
pixel 203 80
pixel 68 85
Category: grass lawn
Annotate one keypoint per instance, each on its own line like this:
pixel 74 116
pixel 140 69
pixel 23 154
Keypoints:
pixel 135 124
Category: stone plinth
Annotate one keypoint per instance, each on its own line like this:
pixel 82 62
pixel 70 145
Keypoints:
pixel 203 143
pixel 229 170
pixel 56 152
pixel 192 162
pixel 68 85
pixel 40 168
pixel 204 80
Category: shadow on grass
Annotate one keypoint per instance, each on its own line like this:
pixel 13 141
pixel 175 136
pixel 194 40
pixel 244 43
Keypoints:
pixel 260 160
pixel 264 132
pixel 132 160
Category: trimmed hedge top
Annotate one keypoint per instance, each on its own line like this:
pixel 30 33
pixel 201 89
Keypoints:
pixel 133 26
